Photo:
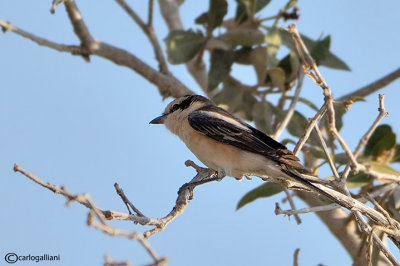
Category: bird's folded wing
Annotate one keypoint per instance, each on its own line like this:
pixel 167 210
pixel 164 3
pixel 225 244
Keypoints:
pixel 221 126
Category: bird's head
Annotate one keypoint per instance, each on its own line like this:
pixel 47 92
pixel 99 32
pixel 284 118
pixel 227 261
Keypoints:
pixel 181 107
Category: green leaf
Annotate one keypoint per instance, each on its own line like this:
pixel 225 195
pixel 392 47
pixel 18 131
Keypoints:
pixel 257 57
pixel 183 45
pixel 297 124
pixel 317 152
pixel 290 64
pixel 216 13
pixel 242 55
pixel 383 139
pixel 236 100
pixel 265 190
pixel 230 95
pixel 244 36
pixel 326 58
pixel 276 77
pixel 380 167
pixel 339 113
pixel 246 108
pixel 358 180
pixel 273 38
pixel 262 115
pixel 260 4
pixel 221 62
pixel 396 157
pixel 308 103
pixel 332 61
pixel 320 50
pixel 244 8
pixel 202 19
pixel 290 4
pixel 341 158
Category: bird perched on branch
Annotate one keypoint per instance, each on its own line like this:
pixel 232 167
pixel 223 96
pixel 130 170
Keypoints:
pixel 227 144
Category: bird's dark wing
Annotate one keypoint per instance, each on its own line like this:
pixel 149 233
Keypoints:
pixel 221 126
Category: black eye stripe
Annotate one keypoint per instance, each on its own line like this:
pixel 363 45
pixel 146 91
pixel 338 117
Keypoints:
pixel 187 102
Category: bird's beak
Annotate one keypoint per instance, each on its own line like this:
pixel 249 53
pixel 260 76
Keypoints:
pixel 158 120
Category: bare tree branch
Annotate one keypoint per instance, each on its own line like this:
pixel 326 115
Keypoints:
pixel 126 201
pixel 292 106
pixel 311 124
pixel 196 67
pixel 367 229
pixel 292 205
pixel 328 156
pixel 149 31
pixel 86 200
pixel 311 70
pixel 363 141
pixel 73 49
pixel 184 196
pixel 80 28
pixel 328 207
pixel 167 84
pixel 374 86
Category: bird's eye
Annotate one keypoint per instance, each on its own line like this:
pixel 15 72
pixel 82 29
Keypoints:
pixel 174 107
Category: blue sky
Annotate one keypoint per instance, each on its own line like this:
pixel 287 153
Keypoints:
pixel 86 126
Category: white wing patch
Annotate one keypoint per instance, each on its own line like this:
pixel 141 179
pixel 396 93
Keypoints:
pixel 227 119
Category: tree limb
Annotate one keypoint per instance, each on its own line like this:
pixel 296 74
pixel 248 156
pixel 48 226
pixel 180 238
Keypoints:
pixel 167 84
pixel 149 31
pixel 374 86
pixel 196 66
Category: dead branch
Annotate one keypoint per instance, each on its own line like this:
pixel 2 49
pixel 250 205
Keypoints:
pixel 184 195
pixel 196 66
pixel 167 84
pixel 310 68
pixel 373 87
pixel 292 106
pixel 148 29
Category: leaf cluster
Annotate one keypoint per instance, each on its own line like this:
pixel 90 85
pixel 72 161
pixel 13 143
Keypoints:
pixel 248 40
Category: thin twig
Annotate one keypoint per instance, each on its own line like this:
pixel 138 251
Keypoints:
pixel 367 229
pixel 54 4
pixel 184 196
pixel 292 205
pixel 168 85
pixel 290 112
pixel 307 132
pixel 150 14
pixel 311 69
pixel 148 29
pixel 73 49
pixel 105 228
pixel 296 257
pixel 196 67
pixel 374 86
pixel 381 209
pixel 363 141
pixel 323 208
pixel 329 207
pixel 328 156
pixel 110 262
pixel 126 201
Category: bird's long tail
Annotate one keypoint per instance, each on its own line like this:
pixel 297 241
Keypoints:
pixel 298 177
